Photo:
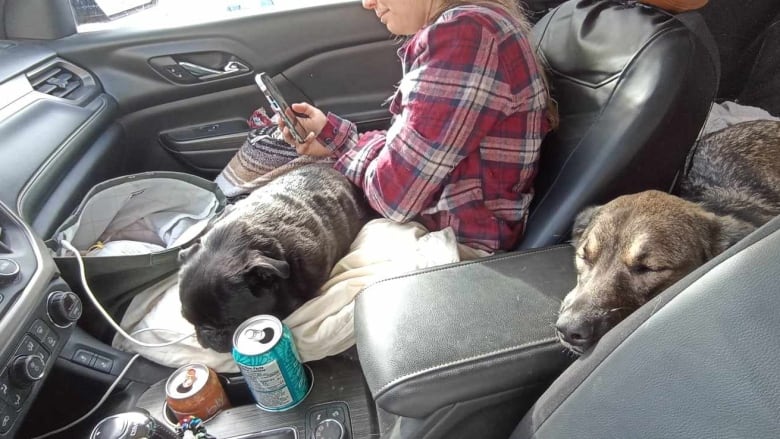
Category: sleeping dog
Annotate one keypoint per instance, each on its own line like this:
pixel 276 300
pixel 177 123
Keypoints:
pixel 270 254
pixel 632 248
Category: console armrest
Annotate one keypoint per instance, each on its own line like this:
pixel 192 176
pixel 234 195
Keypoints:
pixel 462 331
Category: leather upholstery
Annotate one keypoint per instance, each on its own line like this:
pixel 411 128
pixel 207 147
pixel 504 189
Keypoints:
pixel 458 332
pixel 700 360
pixel 634 86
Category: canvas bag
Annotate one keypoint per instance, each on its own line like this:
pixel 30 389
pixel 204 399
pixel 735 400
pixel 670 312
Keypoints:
pixel 130 229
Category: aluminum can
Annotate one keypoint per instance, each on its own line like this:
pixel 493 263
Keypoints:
pixel 265 352
pixel 195 390
pixel 137 424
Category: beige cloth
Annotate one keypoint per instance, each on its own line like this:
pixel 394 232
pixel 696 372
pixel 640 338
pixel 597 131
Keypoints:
pixel 323 326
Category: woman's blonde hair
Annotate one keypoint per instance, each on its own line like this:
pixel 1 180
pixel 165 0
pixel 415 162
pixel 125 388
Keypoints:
pixel 511 6
pixel 519 14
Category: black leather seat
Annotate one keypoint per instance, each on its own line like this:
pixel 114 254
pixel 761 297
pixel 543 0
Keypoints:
pixel 634 85
pixel 462 351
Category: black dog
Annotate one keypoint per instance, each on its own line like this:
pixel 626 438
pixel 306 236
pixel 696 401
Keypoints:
pixel 270 254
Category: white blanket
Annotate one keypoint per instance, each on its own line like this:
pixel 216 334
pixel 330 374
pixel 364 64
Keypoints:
pixel 321 327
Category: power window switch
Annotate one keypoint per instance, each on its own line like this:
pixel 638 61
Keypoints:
pixel 102 364
pixel 83 357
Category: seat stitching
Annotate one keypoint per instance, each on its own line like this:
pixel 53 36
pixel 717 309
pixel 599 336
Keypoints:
pixel 534 343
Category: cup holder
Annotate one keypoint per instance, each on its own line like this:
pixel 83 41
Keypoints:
pixel 238 394
pixel 170 418
pixel 168 415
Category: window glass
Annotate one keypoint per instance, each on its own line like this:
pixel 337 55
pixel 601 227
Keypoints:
pixel 105 14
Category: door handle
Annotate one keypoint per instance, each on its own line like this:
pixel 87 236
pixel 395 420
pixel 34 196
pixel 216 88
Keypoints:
pixel 192 68
pixel 204 73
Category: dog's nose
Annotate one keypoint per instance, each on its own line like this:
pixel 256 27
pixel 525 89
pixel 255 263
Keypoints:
pixel 577 332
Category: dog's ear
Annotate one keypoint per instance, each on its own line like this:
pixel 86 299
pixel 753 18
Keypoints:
pixel 581 223
pixel 186 253
pixel 725 231
pixel 261 265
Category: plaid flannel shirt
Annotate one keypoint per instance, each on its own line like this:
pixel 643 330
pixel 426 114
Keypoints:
pixel 469 116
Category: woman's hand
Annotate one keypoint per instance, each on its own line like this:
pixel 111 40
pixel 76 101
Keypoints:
pixel 313 121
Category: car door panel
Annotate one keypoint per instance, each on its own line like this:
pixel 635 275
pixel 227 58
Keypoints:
pixel 336 57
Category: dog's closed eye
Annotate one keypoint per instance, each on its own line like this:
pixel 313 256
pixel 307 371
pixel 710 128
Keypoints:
pixel 585 254
pixel 640 268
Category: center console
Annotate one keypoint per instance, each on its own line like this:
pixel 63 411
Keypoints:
pixel 338 407
pixel 463 350
pixel 456 351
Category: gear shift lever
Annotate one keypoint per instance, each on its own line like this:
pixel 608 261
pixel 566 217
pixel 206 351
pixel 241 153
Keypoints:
pixel 137 424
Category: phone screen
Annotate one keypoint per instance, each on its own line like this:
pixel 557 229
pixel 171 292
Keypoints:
pixel 280 106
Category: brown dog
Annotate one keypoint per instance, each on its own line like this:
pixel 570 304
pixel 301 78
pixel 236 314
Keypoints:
pixel 632 248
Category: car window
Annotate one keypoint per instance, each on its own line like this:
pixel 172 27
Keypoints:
pixel 106 14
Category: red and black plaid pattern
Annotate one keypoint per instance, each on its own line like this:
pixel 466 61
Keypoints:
pixel 469 117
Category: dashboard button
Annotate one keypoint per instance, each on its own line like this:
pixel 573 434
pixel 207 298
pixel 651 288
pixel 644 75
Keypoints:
pixel 329 429
pixel 102 364
pixel 16 397
pixel 9 270
pixel 11 394
pixel 7 418
pixel 26 370
pixel 31 347
pixel 27 347
pixel 64 308
pixel 83 357
pixel 51 340
pixel 39 329
pixel 5 384
pixel 337 413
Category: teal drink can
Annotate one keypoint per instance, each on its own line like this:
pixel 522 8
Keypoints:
pixel 265 352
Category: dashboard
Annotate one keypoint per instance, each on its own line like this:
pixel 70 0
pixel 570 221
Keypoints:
pixel 50 111
pixel 37 315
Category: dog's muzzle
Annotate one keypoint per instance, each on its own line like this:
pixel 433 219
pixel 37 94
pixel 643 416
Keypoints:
pixel 218 339
pixel 579 331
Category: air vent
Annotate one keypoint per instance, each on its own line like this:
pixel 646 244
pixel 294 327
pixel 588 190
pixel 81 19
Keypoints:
pixel 56 81
pixel 62 79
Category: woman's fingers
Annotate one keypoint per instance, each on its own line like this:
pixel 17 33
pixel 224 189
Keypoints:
pixel 288 137
pixel 310 120
pixel 304 109
pixel 303 148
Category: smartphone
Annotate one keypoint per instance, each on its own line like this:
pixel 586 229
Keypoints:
pixel 280 106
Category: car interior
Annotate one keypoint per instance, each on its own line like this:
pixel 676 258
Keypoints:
pixel 464 350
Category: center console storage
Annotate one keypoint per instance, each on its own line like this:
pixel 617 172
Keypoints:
pixel 339 403
pixel 463 350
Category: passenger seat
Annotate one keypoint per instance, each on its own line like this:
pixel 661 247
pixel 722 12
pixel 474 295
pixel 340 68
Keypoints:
pixel 634 85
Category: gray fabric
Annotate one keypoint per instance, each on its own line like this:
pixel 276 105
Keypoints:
pixel 698 361
pixel 157 211
pixel 728 113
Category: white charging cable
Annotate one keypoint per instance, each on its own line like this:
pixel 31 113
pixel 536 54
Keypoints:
pixel 99 403
pixel 83 274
